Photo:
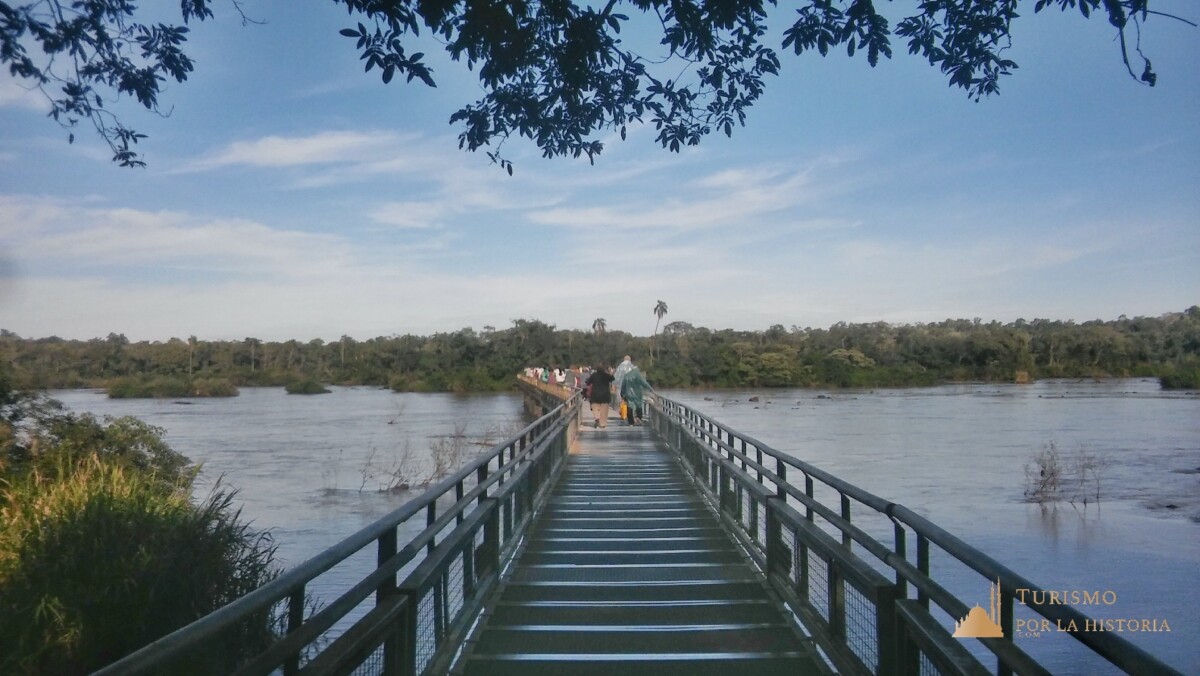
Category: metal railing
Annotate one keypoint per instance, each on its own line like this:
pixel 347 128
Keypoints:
pixel 868 604
pixel 474 520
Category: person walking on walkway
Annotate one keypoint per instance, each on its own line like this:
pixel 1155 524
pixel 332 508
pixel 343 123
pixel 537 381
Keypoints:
pixel 633 391
pixel 619 375
pixel 599 384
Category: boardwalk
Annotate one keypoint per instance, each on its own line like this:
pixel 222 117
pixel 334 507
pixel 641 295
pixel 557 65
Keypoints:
pixel 626 570
pixel 688 549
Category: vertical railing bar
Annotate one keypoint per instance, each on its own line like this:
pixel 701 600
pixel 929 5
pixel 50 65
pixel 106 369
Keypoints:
pixel 802 579
pixel 439 608
pixel 468 556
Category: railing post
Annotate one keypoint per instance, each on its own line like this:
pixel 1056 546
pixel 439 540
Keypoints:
pixel 887 634
pixel 836 599
pixel 405 663
pixel 901 549
pixel 773 540
pixel 846 539
pixel 458 496
pixel 387 549
pixel 1006 626
pixel 430 518
pixel 923 566
pixel 808 490
pixel 295 618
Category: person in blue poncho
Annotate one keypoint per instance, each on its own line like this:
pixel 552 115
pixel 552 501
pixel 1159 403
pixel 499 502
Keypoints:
pixel 618 376
pixel 633 390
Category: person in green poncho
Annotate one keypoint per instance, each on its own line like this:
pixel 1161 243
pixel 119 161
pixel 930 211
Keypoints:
pixel 633 391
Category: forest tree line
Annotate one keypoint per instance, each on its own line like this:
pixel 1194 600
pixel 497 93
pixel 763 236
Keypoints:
pixel 681 355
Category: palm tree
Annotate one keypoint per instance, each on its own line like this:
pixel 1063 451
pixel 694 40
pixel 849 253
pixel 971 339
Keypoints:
pixel 599 326
pixel 191 353
pixel 660 311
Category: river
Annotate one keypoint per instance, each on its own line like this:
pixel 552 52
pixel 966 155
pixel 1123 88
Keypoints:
pixel 308 468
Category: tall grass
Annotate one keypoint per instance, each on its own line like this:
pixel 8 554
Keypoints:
pixel 103 559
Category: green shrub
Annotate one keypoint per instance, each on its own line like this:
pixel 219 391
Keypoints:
pixel 64 440
pixel 306 387
pixel 107 559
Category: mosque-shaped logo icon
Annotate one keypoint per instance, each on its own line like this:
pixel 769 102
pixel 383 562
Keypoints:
pixel 980 623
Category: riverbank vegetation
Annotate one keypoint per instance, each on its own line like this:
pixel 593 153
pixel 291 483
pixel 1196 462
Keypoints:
pixel 103 549
pixel 843 355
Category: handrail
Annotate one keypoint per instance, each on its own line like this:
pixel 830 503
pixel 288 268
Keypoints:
pixel 731 468
pixel 508 461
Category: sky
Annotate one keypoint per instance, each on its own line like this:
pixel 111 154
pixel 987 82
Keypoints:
pixel 290 195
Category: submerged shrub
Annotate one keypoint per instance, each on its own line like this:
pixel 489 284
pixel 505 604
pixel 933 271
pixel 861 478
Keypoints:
pixel 166 387
pixel 306 387
pixel 1183 379
pixel 106 559
pixel 213 387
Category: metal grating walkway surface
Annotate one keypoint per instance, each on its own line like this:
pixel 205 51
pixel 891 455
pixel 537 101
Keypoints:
pixel 627 571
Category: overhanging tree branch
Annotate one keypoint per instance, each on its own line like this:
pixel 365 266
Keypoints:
pixel 552 71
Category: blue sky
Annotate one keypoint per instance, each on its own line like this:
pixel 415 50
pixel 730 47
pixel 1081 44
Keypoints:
pixel 288 195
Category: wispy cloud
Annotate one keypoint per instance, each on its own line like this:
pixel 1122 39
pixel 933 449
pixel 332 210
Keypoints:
pixel 730 198
pixel 71 235
pixel 410 214
pixel 14 94
pixel 329 147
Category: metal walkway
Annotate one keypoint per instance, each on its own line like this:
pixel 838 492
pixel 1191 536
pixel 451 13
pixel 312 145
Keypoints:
pixel 690 549
pixel 627 570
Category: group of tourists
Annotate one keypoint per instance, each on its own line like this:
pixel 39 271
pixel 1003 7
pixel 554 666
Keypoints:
pixel 624 387
pixel 563 377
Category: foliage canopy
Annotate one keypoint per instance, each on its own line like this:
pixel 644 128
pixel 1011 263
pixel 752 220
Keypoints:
pixel 556 72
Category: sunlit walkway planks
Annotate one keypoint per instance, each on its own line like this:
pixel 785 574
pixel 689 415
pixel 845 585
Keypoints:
pixel 627 571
